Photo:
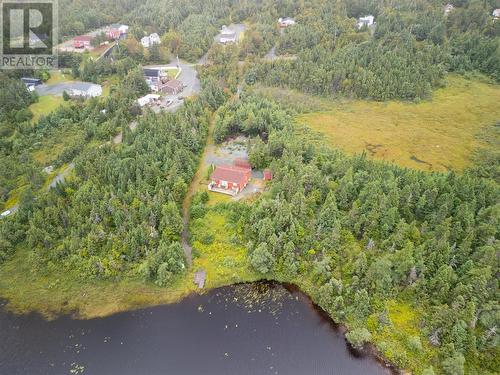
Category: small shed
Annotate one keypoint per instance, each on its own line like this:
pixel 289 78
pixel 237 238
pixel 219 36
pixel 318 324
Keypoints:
pixel 268 175
pixel 227 35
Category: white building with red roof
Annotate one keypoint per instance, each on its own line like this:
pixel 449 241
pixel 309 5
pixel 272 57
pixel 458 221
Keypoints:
pixel 229 179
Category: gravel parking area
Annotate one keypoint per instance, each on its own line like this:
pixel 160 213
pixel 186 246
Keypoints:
pixel 59 88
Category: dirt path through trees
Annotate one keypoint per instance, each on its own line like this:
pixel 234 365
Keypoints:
pixel 193 187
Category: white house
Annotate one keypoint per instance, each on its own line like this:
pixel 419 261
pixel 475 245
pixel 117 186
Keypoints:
pixel 227 35
pixel 154 39
pixel 365 21
pixel 147 99
pixel 448 8
pixel 285 22
pixel 123 29
pixel 145 42
pixel 496 13
pixel 149 40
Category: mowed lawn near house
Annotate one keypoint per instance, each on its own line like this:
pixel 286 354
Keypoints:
pixel 437 135
pixel 44 106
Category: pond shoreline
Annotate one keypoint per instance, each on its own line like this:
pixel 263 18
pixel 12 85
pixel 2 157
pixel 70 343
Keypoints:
pixel 369 350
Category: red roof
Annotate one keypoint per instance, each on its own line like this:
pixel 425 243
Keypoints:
pixel 230 174
pixel 268 175
pixel 83 38
pixel 242 163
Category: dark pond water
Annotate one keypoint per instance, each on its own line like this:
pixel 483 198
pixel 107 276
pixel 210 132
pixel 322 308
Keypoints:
pixel 245 329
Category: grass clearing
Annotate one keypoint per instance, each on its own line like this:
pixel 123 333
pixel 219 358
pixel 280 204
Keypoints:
pixel 435 135
pixel 57 76
pixel 62 292
pixel 218 253
pixel 44 106
pixel 392 338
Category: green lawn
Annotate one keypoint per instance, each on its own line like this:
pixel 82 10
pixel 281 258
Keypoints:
pixel 57 76
pixel 225 261
pixel 61 291
pixel 45 105
pixel 437 135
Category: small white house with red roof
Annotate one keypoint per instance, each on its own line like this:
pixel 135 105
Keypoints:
pixel 229 179
pixel 117 31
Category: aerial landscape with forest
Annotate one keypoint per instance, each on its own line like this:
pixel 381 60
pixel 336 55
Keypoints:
pixel 331 167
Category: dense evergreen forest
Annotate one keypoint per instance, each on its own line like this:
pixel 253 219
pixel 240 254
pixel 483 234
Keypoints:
pixel 366 233
pixel 360 236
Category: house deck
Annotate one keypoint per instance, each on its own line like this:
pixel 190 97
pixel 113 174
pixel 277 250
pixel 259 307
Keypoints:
pixel 221 190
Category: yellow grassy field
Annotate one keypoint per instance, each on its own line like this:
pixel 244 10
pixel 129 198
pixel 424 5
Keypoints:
pixel 437 135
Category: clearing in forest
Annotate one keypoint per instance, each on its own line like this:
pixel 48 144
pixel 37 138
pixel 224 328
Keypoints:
pixel 435 135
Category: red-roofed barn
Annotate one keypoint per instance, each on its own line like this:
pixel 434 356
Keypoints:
pixel 229 180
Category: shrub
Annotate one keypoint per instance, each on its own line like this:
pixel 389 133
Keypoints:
pixel 358 337
pixel 414 343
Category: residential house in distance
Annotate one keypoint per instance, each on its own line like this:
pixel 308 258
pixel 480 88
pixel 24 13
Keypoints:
pixel 229 179
pixel 31 82
pixel 227 35
pixel 496 13
pixel 173 87
pixel 117 31
pixel 448 8
pixel 82 41
pixel 365 21
pixel 154 39
pixel 285 22
pixel 153 78
pixel 149 40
